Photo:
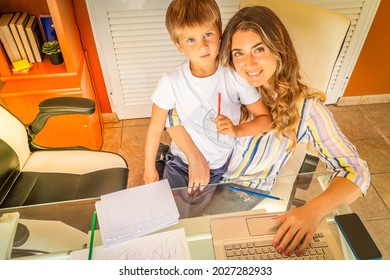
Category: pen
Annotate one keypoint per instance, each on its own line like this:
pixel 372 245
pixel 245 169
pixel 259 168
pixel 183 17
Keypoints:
pixel 92 235
pixel 255 193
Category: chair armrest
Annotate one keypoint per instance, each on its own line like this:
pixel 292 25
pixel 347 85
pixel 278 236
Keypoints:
pixel 55 107
pixel 67 105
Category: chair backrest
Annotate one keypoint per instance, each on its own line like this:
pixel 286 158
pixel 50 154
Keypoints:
pixel 317 33
pixel 14 150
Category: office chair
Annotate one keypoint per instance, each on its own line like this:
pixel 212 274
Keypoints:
pixel 31 174
pixel 318 35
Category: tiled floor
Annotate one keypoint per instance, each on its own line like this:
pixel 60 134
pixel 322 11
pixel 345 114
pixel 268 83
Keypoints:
pixel 366 126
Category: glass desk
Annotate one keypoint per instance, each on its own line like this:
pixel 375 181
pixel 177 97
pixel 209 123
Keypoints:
pixel 50 231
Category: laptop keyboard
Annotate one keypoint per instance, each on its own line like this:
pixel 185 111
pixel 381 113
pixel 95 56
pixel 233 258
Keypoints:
pixel 260 250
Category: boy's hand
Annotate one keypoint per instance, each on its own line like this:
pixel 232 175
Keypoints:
pixel 151 176
pixel 198 173
pixel 225 126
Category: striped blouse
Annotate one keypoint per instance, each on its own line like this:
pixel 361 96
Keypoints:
pixel 263 156
pixel 260 158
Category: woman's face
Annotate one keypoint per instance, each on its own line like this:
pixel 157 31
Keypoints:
pixel 251 58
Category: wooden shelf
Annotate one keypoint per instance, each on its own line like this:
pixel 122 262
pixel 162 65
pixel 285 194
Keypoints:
pixel 39 70
pixel 67 32
pixel 22 93
pixel 43 81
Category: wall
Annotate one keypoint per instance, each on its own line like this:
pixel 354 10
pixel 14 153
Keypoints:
pixel 371 73
pixel 88 42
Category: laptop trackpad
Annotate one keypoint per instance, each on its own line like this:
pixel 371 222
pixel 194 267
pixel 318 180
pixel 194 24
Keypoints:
pixel 261 226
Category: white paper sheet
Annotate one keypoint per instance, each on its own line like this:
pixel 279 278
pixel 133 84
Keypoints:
pixel 168 245
pixel 135 212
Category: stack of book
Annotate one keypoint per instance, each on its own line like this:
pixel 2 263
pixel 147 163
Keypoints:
pixel 21 37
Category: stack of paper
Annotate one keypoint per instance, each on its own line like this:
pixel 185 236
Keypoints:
pixel 134 212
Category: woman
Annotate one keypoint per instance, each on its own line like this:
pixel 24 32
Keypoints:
pixel 257 45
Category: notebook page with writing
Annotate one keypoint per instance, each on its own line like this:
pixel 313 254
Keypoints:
pixel 167 245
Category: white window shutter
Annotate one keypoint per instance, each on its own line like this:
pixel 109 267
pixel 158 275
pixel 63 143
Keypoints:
pixel 361 13
pixel 143 50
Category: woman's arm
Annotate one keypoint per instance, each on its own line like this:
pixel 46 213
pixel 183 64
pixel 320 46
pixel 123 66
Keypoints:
pixel 301 223
pixel 351 179
pixel 261 123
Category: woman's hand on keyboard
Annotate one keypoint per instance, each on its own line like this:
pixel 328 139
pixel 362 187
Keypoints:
pixel 297 229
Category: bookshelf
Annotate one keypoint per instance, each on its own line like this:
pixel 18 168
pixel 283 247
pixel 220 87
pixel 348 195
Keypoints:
pixel 21 93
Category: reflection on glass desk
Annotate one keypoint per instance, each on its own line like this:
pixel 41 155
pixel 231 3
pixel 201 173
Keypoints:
pixel 62 227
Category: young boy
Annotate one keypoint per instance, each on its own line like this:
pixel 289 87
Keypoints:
pixel 189 95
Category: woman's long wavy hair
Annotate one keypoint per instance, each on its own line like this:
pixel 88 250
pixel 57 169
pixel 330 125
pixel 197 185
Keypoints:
pixel 286 87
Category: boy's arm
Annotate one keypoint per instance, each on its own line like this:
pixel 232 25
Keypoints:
pixel 198 168
pixel 261 123
pixel 153 136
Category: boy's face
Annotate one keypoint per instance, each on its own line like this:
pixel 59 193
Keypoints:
pixel 200 44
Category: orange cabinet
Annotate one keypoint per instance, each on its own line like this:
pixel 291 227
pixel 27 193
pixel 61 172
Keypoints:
pixel 22 93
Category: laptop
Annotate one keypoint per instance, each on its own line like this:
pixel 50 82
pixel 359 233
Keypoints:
pixel 250 237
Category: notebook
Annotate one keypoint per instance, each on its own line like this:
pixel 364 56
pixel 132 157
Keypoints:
pixel 250 236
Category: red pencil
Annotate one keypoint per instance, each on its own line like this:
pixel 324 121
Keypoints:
pixel 219 103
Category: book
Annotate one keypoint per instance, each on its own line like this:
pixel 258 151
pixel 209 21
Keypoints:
pixel 8 39
pixel 20 25
pixel 15 33
pixel 21 72
pixel 21 65
pixel 35 38
pixel 7 47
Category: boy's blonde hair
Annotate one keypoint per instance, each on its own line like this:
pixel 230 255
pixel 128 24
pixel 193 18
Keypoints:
pixel 183 14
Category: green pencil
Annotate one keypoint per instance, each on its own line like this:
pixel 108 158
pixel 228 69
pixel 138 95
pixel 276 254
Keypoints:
pixel 92 235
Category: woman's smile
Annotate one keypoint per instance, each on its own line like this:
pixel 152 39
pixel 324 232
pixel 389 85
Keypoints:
pixel 251 58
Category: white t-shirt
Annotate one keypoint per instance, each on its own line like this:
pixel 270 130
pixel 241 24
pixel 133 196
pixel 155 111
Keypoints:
pixel 196 103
